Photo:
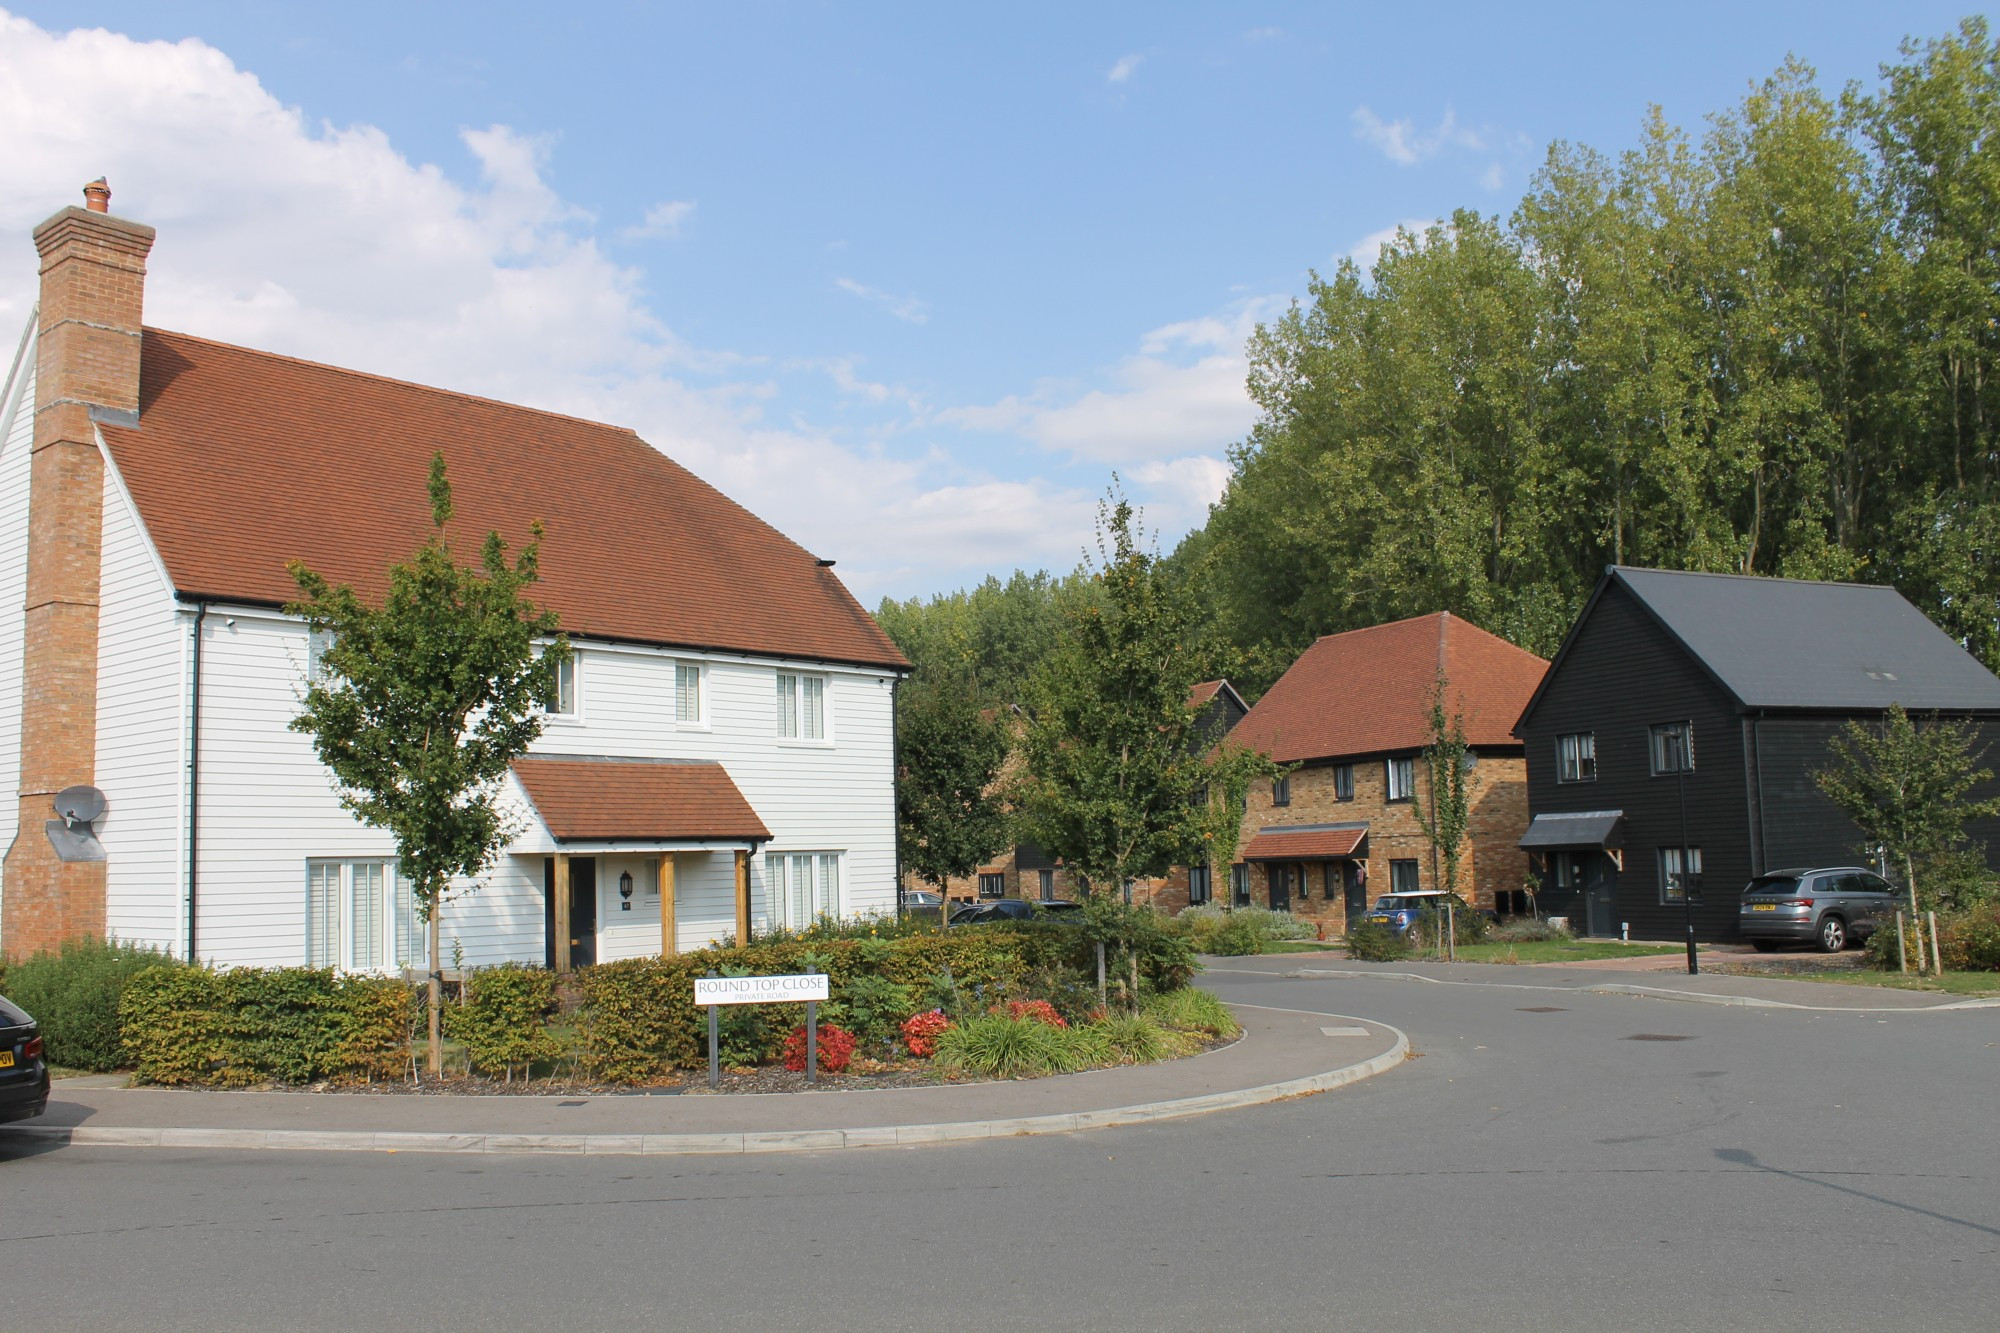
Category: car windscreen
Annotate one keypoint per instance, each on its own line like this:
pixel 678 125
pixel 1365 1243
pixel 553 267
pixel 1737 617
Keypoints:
pixel 1783 886
pixel 11 1017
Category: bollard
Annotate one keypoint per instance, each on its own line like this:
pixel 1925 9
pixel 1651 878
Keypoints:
pixel 714 1043
pixel 812 1041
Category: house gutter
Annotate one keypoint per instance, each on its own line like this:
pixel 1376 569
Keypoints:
pixel 895 778
pixel 194 775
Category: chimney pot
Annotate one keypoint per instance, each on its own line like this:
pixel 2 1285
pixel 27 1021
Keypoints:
pixel 97 196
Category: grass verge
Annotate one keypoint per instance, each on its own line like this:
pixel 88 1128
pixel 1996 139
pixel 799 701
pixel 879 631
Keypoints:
pixel 1951 983
pixel 1560 951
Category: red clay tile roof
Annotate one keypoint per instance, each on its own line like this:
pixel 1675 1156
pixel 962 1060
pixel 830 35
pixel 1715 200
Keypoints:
pixel 1203 692
pixel 1368 691
pixel 637 799
pixel 1305 842
pixel 243 461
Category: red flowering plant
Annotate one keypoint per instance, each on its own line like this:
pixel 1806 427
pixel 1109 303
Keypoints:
pixel 921 1031
pixel 1039 1010
pixel 836 1048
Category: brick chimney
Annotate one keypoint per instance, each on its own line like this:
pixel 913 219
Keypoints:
pixel 87 363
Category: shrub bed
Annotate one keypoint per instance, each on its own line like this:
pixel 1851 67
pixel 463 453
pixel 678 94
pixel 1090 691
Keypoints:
pixel 1376 942
pixel 74 994
pixel 197 1025
pixel 502 1017
pixel 1213 929
pixel 1969 940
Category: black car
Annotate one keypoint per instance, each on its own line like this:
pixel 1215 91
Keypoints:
pixel 24 1074
pixel 1014 909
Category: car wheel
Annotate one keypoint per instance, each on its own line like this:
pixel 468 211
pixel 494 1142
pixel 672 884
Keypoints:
pixel 1764 946
pixel 1832 935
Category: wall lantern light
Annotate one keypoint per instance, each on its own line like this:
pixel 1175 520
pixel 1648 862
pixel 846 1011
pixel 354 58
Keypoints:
pixel 625 891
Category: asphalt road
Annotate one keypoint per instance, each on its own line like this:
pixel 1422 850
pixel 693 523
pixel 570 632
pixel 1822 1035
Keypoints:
pixel 1571 1169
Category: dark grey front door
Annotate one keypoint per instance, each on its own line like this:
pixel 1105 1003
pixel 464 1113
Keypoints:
pixel 1281 887
pixel 582 911
pixel 1355 890
pixel 1600 897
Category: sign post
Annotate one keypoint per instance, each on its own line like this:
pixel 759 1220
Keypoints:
pixel 714 991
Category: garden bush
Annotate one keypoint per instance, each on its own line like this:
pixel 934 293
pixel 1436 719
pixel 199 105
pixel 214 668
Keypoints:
pixel 1376 942
pixel 1526 930
pixel 1215 929
pixel 922 1031
pixel 1135 1039
pixel 1467 927
pixel 836 1048
pixel 1001 1047
pixel 74 994
pixel 238 1028
pixel 1969 941
pixel 503 1019
pixel 1192 1010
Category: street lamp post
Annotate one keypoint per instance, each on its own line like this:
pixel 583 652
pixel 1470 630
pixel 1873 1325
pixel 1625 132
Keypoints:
pixel 1681 875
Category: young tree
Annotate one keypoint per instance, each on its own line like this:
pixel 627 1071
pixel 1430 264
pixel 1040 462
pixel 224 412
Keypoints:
pixel 1118 779
pixel 949 751
pixel 420 704
pixel 1906 785
pixel 1445 813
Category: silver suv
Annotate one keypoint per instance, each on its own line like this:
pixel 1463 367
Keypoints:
pixel 1826 907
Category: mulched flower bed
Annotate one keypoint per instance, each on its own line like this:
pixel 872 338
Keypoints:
pixel 1780 964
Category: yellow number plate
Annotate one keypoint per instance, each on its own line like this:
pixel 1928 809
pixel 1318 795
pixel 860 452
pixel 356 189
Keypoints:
pixel 6 1059
pixel 1763 907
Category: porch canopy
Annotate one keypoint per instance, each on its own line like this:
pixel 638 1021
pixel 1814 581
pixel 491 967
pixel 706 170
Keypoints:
pixel 585 799
pixel 1306 842
pixel 1587 829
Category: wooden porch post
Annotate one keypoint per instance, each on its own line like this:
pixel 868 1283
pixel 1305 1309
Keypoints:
pixel 667 949
pixel 562 912
pixel 742 897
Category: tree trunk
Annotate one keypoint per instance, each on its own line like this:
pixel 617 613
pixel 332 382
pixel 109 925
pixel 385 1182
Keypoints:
pixel 436 1006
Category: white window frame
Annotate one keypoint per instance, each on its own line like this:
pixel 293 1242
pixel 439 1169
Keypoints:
pixel 1670 864
pixel 1576 757
pixel 795 714
pixel 397 939
pixel 556 712
pixel 697 719
pixel 1406 765
pixel 317 642
pixel 792 906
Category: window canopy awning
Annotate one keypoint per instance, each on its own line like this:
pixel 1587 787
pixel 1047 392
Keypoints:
pixel 1590 828
pixel 1306 842
pixel 585 799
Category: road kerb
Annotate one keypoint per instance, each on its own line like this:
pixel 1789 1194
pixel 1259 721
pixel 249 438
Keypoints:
pixel 652 1145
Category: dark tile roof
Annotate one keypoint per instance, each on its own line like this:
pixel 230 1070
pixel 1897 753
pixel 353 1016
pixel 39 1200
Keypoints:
pixel 1368 691
pixel 1305 842
pixel 639 800
pixel 1792 643
pixel 243 461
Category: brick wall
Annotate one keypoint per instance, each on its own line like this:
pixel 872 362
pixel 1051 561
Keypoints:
pixel 87 355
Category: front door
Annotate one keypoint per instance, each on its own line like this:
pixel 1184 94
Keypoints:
pixel 1600 898
pixel 582 911
pixel 1354 889
pixel 1281 887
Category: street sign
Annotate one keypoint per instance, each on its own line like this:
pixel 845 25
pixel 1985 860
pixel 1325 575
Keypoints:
pixel 761 990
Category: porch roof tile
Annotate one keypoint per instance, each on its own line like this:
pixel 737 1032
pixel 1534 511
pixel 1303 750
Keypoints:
pixel 594 799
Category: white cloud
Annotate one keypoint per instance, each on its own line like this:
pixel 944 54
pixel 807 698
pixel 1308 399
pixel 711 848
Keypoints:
pixel 1402 143
pixel 1493 177
pixel 1263 34
pixel 1368 249
pixel 1126 67
pixel 906 308
pixel 1182 392
pixel 663 221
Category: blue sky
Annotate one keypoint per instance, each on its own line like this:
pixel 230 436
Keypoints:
pixel 910 281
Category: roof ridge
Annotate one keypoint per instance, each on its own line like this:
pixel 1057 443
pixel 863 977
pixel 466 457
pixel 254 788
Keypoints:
pixel 419 386
pixel 1752 578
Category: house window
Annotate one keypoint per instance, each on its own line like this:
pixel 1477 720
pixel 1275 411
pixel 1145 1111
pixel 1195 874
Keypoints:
pixel 1673 748
pixel 1403 877
pixel 1671 878
pixel 1239 885
pixel 802 887
pixel 992 886
pixel 1281 791
pixel 801 706
pixel 317 642
pixel 361 917
pixel 1576 757
pixel 1198 885
pixel 1343 782
pixel 1402 775
pixel 687 693
pixel 1048 885
pixel 564 702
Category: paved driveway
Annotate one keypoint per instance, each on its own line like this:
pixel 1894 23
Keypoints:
pixel 1552 1159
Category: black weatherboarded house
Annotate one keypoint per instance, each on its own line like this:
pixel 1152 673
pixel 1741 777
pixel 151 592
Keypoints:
pixel 1692 710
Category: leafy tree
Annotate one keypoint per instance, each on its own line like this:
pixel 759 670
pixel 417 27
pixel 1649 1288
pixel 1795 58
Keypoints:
pixel 1117 778
pixel 421 703
pixel 1444 810
pixel 1907 786
pixel 950 748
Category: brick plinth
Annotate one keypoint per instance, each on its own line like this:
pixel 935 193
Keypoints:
pixel 87 356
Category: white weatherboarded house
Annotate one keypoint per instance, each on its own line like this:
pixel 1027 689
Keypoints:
pixel 721 758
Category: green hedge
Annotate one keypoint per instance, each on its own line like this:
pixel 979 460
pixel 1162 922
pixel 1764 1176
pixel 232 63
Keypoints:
pixel 74 994
pixel 197 1025
pixel 502 1017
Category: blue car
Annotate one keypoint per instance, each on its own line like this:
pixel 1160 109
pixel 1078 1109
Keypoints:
pixel 1399 911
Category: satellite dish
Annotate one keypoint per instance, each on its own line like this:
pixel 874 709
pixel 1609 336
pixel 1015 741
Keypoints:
pixel 79 805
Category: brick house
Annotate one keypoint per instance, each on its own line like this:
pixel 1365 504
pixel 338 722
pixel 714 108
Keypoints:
pixel 1352 715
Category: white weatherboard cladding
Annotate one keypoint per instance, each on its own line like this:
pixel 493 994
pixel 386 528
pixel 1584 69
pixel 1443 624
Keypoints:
pixel 16 439
pixel 141 747
pixel 267 805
